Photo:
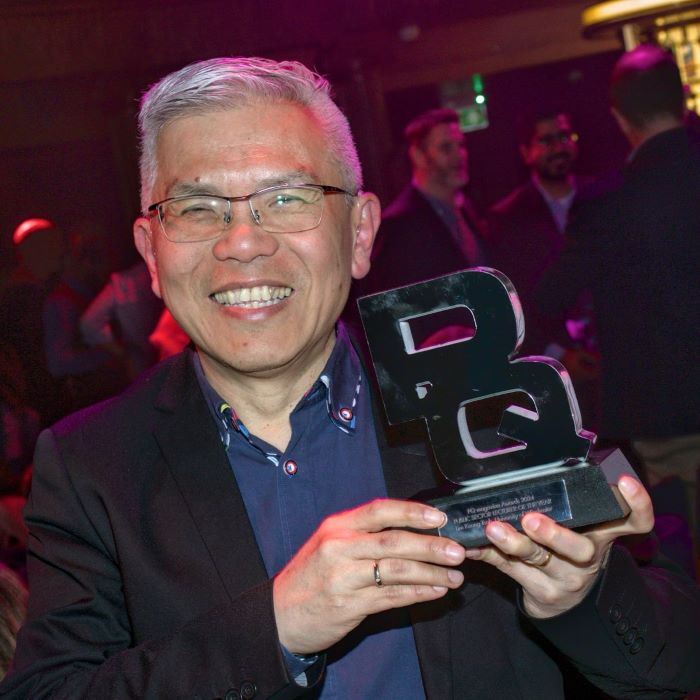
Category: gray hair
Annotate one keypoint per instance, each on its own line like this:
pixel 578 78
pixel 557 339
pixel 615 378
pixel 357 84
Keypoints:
pixel 227 83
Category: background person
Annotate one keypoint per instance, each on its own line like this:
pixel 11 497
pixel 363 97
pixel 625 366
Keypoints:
pixel 634 243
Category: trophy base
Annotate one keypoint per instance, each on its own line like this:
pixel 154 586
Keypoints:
pixel 574 496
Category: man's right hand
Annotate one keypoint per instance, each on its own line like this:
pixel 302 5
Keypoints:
pixel 329 587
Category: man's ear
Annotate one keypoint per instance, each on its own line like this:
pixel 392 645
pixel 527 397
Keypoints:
pixel 625 127
pixel 143 239
pixel 417 157
pixel 525 153
pixel 366 217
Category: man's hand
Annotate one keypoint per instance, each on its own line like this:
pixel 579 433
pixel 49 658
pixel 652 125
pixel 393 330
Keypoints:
pixel 581 365
pixel 329 586
pixel 556 582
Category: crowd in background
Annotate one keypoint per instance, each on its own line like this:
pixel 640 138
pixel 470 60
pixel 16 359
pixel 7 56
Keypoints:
pixel 75 331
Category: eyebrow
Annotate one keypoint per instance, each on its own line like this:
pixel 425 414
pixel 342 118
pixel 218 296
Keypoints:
pixel 293 177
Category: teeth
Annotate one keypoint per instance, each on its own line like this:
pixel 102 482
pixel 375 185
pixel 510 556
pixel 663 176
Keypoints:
pixel 253 297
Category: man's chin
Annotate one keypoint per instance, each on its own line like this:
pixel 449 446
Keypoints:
pixel 556 174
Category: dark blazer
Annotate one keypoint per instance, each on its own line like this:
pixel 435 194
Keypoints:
pixel 635 243
pixel 522 242
pixel 147 582
pixel 414 244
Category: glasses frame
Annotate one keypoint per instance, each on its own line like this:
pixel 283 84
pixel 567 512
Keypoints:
pixel 560 138
pixel 155 209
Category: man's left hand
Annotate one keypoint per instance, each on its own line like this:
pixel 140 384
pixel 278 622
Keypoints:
pixel 555 566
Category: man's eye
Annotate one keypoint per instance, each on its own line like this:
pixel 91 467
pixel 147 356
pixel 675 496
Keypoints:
pixel 285 200
pixel 196 210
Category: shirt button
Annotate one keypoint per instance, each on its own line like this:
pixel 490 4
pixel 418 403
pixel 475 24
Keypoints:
pixel 615 613
pixel 630 636
pixel 233 694
pixel 637 645
pixel 290 467
pixel 248 690
pixel 346 414
pixel 622 626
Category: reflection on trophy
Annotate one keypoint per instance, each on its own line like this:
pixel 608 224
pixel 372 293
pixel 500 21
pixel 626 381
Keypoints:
pixel 505 431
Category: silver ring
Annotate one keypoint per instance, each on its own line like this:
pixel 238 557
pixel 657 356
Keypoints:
pixel 377 575
pixel 539 564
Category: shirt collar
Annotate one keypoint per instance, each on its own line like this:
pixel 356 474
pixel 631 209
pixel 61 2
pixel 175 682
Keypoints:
pixel 562 201
pixel 339 384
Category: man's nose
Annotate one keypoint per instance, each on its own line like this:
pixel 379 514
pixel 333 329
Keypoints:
pixel 243 238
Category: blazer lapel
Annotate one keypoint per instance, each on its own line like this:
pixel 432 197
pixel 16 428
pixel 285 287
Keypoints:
pixel 191 446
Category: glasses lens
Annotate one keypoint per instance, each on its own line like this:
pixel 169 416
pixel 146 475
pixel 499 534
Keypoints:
pixel 288 209
pixel 560 137
pixel 193 218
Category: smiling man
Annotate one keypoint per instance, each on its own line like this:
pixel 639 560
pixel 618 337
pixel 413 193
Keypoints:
pixel 232 525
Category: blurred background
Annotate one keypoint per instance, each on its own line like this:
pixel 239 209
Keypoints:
pixel 72 72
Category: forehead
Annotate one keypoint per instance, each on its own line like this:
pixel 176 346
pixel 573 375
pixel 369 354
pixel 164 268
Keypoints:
pixel 242 146
pixel 444 133
pixel 551 125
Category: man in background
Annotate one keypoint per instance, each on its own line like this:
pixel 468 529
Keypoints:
pixel 526 232
pixel 635 244
pixel 40 251
pixel 431 228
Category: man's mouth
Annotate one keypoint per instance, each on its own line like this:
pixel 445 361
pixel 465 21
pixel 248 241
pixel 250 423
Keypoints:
pixel 252 297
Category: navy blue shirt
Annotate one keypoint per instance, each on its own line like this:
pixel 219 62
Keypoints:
pixel 331 464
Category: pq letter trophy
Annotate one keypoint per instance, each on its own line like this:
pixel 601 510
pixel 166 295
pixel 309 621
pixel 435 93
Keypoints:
pixel 537 457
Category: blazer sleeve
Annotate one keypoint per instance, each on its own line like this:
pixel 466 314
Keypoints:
pixel 637 635
pixel 77 640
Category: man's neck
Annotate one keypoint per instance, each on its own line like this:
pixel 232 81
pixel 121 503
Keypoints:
pixel 264 401
pixel 638 136
pixel 442 192
pixel 556 189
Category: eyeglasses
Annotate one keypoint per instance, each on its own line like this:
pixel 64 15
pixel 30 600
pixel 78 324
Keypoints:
pixel 549 140
pixel 278 209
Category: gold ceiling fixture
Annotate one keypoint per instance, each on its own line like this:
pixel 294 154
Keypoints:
pixel 674 25
pixel 614 14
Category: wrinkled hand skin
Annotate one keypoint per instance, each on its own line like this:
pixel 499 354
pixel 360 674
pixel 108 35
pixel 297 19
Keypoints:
pixel 328 587
pixel 576 557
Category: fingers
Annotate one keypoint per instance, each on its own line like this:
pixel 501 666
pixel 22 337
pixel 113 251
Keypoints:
pixel 407 572
pixel 401 544
pixel 641 517
pixel 384 513
pixel 358 536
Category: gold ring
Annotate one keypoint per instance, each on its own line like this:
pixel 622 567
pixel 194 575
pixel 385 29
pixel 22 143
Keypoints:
pixel 377 575
pixel 544 562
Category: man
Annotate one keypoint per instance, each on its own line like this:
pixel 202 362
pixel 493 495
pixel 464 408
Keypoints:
pixel 82 374
pixel 634 244
pixel 40 249
pixel 221 529
pixel 525 236
pixel 431 229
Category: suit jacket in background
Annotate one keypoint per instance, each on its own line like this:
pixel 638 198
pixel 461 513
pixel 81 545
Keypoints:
pixel 523 241
pixel 634 241
pixel 413 244
pixel 147 582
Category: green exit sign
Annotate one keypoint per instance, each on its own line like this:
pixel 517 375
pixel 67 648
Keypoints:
pixel 473 117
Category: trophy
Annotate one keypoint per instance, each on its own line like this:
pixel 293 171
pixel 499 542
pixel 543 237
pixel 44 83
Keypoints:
pixel 505 431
